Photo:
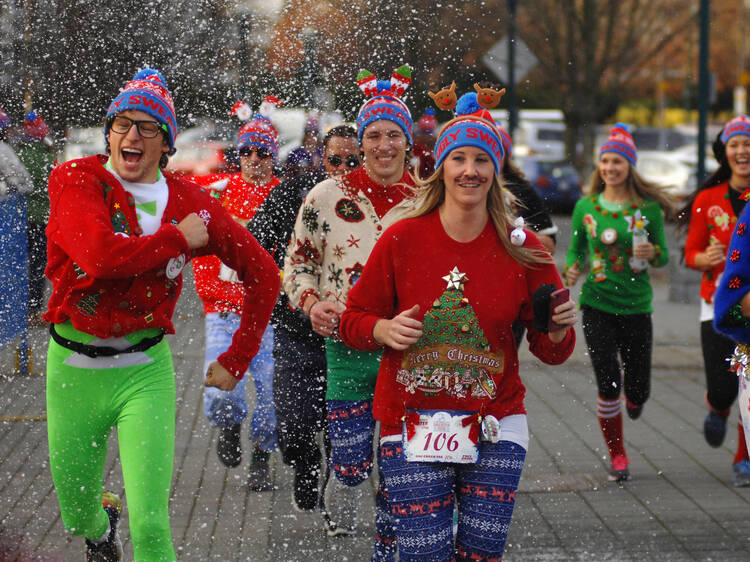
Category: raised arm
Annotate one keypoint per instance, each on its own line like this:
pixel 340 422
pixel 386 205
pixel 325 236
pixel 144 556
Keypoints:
pixel 81 224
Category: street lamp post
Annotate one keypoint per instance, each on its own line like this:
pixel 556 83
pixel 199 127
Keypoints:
pixel 243 56
pixel 703 85
pixel 309 38
pixel 28 82
pixel 740 90
pixel 512 109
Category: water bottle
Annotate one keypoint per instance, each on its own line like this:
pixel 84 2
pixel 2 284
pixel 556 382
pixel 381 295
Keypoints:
pixel 640 236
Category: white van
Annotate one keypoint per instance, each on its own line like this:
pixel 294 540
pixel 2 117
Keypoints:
pixel 540 132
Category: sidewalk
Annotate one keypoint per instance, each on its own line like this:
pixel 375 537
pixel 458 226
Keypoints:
pixel 680 504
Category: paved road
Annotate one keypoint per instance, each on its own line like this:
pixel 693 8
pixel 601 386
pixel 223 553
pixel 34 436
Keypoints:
pixel 680 504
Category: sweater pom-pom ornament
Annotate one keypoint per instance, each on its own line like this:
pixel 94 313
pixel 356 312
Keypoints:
pixel 490 429
pixel 518 235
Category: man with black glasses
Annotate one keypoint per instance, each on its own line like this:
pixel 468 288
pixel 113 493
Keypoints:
pixel 119 235
pixel 218 287
pixel 340 151
pixel 299 384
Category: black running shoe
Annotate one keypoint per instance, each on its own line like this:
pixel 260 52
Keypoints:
pixel 633 410
pixel 259 476
pixel 339 507
pixel 228 446
pixel 109 550
pixel 714 429
pixel 305 493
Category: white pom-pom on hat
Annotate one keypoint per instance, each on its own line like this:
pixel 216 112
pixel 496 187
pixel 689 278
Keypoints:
pixel 269 105
pixel 242 111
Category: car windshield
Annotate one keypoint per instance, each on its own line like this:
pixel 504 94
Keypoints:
pixel 557 169
pixel 658 139
pixel 551 134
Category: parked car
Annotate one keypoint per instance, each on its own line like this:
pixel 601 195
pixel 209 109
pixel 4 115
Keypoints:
pixel 674 169
pixel 556 181
pixel 646 138
pixel 539 132
pixel 545 140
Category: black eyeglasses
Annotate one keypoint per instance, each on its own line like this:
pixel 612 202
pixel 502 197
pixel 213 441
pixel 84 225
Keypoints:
pixel 351 161
pixel 147 129
pixel 261 151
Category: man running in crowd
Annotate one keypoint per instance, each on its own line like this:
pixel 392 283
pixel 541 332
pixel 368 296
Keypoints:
pixel 299 384
pixel 222 294
pixel 336 229
pixel 119 235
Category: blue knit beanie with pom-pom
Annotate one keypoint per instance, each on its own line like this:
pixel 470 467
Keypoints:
pixel 472 126
pixel 621 142
pixel 147 92
pixel 740 125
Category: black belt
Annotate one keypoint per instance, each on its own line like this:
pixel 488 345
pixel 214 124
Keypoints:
pixel 103 351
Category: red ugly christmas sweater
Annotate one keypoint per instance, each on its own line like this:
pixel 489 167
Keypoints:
pixel 110 281
pixel 468 294
pixel 712 218
pixel 219 287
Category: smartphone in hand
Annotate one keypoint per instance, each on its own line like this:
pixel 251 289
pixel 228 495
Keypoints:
pixel 557 298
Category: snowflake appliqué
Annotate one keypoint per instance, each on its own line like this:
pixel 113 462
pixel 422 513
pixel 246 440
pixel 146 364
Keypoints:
pixel 310 218
pixel 349 211
pixel 486 525
pixel 741 229
pixel 735 283
pixel 339 252
pixel 734 256
pixel 427 538
pixel 334 275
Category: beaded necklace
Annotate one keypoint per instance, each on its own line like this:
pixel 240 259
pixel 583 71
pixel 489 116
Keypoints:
pixel 627 209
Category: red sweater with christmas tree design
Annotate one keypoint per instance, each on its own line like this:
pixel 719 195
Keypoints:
pixel 110 281
pixel 218 287
pixel 469 294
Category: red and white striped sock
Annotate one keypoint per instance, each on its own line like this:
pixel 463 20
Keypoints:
pixel 741 453
pixel 610 421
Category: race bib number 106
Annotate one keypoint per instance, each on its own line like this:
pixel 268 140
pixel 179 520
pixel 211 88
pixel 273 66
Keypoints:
pixel 439 436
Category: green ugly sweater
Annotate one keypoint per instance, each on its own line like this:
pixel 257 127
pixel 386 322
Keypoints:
pixel 604 231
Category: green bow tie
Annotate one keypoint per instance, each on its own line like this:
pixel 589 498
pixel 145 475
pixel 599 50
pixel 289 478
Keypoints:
pixel 149 207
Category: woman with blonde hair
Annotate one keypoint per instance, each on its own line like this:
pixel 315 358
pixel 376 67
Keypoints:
pixel 439 294
pixel 620 228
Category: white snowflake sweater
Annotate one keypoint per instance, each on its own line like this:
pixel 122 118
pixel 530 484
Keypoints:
pixel 336 229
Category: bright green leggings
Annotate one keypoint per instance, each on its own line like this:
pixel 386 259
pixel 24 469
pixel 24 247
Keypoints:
pixel 82 407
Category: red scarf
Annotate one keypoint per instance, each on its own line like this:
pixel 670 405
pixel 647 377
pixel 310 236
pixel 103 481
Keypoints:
pixel 382 197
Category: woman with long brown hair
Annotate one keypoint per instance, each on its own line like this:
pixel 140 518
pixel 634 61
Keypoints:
pixel 710 216
pixel 620 228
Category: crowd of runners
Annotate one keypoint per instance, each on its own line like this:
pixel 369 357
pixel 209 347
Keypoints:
pixel 377 304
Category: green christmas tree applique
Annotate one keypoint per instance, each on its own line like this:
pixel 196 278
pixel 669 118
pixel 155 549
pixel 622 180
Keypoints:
pixel 119 221
pixel 453 355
